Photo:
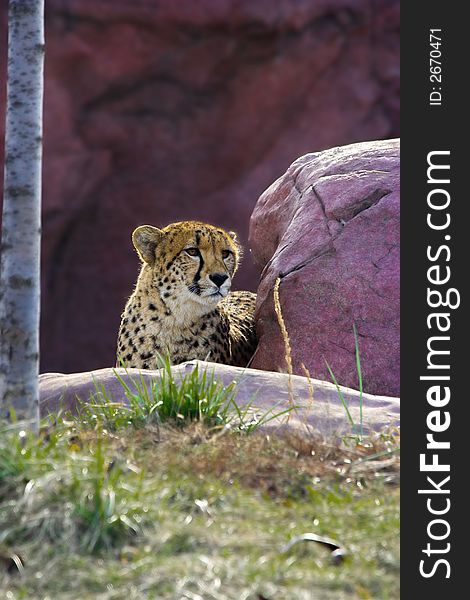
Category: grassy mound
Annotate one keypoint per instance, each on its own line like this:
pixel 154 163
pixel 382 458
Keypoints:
pixel 169 501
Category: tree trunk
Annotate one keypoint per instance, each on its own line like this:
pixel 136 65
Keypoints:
pixel 21 229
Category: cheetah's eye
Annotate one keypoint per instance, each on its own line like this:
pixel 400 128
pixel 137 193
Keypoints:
pixel 226 254
pixel 192 251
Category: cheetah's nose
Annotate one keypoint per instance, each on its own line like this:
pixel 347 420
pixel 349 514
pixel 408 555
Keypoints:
pixel 218 278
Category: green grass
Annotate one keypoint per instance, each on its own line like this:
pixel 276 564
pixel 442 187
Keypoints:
pixel 359 377
pixel 356 429
pixel 171 513
pixel 171 498
pixel 58 494
pixel 196 396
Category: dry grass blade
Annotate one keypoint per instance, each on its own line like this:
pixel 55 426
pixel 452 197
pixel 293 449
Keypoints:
pixel 285 337
pixel 309 383
pixel 337 551
pixel 312 537
pixel 12 562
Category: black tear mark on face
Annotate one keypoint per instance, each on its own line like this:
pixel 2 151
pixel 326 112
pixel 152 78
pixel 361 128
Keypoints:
pixel 197 277
pixel 194 286
pixel 198 237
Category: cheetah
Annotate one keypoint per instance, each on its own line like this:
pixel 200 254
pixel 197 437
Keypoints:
pixel 182 305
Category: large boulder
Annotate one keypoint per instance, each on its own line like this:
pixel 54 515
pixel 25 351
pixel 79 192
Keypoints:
pixel 157 111
pixel 329 229
pixel 261 395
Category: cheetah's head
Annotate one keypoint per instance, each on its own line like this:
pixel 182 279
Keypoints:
pixel 191 262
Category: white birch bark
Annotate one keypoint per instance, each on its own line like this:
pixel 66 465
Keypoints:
pixel 21 227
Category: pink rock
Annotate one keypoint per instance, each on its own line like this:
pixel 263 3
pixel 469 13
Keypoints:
pixel 157 111
pixel 263 394
pixel 329 228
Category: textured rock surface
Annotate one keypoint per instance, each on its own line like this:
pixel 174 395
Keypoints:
pixel 265 391
pixel 158 110
pixel 329 228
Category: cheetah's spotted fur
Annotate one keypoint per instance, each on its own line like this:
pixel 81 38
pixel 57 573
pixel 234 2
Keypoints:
pixel 182 304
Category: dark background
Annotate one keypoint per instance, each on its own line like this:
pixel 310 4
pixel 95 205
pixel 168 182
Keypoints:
pixel 157 111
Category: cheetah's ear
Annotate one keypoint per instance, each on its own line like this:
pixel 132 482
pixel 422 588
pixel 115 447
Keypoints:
pixel 233 236
pixel 145 239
